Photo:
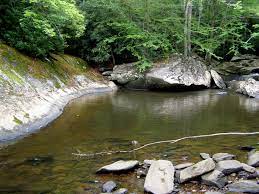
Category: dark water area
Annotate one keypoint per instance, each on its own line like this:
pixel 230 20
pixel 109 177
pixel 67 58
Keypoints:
pixel 43 162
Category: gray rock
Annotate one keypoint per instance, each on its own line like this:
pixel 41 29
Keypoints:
pixel 109 186
pixel 196 170
pixel 107 73
pixel 213 192
pixel 218 80
pixel 204 156
pixel 119 166
pixel 141 172
pixel 244 186
pixel 215 178
pixel 179 74
pixel 248 168
pixel 128 76
pixel 223 156
pixel 184 165
pixel 160 177
pixel 249 88
pixel 253 159
pixel 229 166
pixel 121 191
pixel 148 162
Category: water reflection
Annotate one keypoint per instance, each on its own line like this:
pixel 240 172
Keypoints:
pixel 110 122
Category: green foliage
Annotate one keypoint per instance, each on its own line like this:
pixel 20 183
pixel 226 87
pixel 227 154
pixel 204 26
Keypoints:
pixel 118 31
pixel 41 27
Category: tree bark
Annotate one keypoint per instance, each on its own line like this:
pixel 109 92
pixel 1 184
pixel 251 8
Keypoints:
pixel 187 29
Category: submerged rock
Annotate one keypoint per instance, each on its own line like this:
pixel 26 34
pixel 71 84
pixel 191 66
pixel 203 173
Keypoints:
pixel 229 166
pixel 179 74
pixel 244 186
pixel 196 170
pixel 160 177
pixel 109 186
pixel 184 165
pixel 223 156
pixel 119 166
pixel 218 80
pixel 215 178
pixel 253 159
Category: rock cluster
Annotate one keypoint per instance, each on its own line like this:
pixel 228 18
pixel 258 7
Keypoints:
pixel 220 172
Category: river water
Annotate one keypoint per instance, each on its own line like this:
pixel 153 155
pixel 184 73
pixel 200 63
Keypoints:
pixel 43 161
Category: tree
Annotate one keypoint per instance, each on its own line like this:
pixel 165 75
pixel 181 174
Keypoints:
pixel 187 28
pixel 42 26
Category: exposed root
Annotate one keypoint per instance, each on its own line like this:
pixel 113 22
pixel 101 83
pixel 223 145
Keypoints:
pixel 80 154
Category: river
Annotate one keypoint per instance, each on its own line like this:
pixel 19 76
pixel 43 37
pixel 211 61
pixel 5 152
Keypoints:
pixel 43 162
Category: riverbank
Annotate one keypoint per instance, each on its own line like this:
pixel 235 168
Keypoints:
pixel 34 92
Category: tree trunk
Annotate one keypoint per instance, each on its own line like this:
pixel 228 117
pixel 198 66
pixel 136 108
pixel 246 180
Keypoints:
pixel 187 29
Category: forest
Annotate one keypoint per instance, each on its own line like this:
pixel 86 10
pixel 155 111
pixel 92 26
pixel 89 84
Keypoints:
pixel 109 32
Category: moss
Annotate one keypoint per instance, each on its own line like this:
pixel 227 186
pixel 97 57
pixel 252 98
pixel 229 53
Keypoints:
pixel 63 67
pixel 17 121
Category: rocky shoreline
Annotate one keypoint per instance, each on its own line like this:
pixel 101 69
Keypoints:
pixel 44 107
pixel 34 92
pixel 216 174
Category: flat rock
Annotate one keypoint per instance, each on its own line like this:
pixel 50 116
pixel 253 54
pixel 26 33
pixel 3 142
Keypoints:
pixel 215 178
pixel 213 192
pixel 160 177
pixel 184 165
pixel 253 159
pixel 229 166
pixel 119 166
pixel 223 156
pixel 121 191
pixel 109 187
pixel 244 186
pixel 196 170
pixel 248 168
pixel 218 80
pixel 204 156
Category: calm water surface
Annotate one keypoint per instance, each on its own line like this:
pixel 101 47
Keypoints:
pixel 43 162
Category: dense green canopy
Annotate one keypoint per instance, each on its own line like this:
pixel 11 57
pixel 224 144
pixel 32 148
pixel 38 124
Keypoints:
pixel 116 31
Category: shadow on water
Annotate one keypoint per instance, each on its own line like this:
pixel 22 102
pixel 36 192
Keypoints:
pixel 42 162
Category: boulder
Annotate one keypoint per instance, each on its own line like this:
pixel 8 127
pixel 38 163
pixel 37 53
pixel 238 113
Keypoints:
pixel 249 88
pixel 204 156
pixel 160 177
pixel 244 186
pixel 253 159
pixel 184 165
pixel 215 178
pixel 109 186
pixel 179 74
pixel 119 166
pixel 128 76
pixel 223 156
pixel 242 65
pixel 196 170
pixel 218 80
pixel 229 166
